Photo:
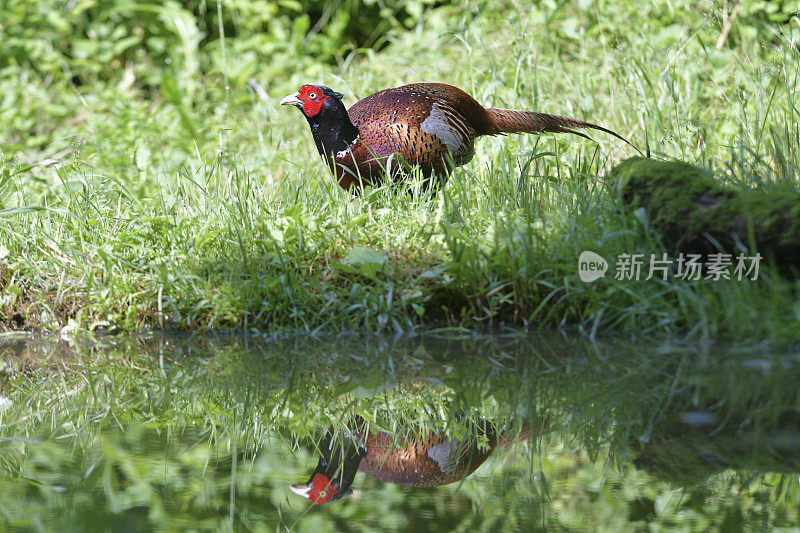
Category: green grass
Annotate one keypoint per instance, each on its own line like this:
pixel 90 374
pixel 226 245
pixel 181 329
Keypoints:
pixel 128 205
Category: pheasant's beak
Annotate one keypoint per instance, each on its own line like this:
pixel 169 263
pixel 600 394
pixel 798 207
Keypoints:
pixel 301 490
pixel 292 99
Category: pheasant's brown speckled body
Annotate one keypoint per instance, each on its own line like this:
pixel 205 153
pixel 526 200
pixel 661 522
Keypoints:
pixel 420 123
pixel 432 126
pixel 424 460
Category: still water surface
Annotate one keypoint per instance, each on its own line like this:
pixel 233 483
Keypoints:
pixel 370 434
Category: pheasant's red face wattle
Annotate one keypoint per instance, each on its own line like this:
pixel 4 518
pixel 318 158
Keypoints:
pixel 321 490
pixel 312 98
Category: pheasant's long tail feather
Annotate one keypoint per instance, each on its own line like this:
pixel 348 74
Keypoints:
pixel 513 121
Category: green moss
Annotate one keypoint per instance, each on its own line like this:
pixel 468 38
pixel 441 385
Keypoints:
pixel 696 214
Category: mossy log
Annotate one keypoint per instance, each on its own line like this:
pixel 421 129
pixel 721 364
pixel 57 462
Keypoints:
pixel 696 214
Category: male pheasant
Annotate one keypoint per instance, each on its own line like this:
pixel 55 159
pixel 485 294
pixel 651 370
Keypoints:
pixel 429 125
pixel 427 460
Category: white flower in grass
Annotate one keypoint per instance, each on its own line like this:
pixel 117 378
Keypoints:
pixel 5 403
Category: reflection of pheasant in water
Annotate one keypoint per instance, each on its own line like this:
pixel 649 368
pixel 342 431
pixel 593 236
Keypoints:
pixel 421 461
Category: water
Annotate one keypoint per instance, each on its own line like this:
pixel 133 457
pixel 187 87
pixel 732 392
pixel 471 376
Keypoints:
pixel 210 433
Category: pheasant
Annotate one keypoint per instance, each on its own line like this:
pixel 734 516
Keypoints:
pixel 422 461
pixel 429 125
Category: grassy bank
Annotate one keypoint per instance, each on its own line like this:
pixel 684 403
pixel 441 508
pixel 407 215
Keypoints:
pixel 155 195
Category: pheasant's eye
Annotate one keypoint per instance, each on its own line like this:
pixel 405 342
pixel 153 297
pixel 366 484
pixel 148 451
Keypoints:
pixel 312 95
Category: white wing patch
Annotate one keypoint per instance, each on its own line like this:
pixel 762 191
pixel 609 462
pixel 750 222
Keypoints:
pixel 441 454
pixel 448 125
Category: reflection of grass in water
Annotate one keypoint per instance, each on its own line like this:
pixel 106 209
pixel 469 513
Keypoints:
pixel 257 387
pixel 183 405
